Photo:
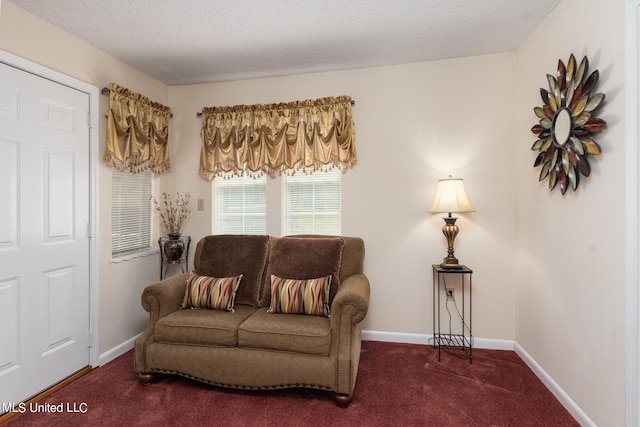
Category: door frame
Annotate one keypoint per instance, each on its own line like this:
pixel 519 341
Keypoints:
pixel 632 209
pixel 94 93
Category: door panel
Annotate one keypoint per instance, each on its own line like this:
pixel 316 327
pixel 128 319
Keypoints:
pixel 58 168
pixel 8 193
pixel 44 242
pixel 57 292
pixel 9 304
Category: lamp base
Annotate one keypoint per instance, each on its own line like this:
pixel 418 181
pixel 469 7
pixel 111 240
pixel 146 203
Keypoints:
pixel 450 231
pixel 451 263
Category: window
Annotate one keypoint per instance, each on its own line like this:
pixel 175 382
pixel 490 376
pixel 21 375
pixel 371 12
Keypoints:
pixel 241 205
pixel 131 212
pixel 312 203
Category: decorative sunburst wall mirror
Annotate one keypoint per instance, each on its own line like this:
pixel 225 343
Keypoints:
pixel 567 124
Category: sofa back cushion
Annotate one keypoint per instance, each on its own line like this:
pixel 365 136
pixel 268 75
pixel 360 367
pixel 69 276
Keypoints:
pixel 352 261
pixel 231 255
pixel 303 258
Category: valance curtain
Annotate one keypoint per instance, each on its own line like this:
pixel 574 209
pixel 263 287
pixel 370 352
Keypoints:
pixel 280 138
pixel 137 132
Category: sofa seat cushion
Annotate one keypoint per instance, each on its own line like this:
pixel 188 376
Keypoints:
pixel 202 327
pixel 295 333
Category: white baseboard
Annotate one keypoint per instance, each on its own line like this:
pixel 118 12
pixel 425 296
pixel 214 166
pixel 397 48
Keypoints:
pixel 396 337
pixel 492 344
pixel 555 389
pixel 118 350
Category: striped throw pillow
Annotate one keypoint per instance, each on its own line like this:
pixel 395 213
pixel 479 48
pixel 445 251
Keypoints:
pixel 211 292
pixel 295 296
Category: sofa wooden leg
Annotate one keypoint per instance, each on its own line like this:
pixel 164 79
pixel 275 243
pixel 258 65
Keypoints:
pixel 146 378
pixel 344 400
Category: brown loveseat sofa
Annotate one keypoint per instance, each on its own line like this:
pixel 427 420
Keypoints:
pixel 250 347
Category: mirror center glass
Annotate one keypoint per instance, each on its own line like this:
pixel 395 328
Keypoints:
pixel 561 126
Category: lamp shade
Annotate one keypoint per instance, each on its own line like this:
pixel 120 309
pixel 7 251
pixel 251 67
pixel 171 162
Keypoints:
pixel 451 197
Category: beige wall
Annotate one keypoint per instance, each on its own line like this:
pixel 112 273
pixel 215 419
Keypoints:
pixel 415 123
pixel 570 294
pixel 120 285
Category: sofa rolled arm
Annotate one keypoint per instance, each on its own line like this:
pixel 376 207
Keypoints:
pixel 348 309
pixel 164 297
pixel 353 291
pixel 159 299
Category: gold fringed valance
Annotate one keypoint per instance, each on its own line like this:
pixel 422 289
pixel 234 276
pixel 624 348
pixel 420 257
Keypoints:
pixel 137 132
pixel 280 138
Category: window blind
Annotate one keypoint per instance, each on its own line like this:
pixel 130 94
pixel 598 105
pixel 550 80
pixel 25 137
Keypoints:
pixel 312 203
pixel 131 212
pixel 241 205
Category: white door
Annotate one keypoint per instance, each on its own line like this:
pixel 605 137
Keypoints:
pixel 44 238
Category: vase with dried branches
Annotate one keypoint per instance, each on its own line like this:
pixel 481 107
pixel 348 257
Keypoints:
pixel 174 210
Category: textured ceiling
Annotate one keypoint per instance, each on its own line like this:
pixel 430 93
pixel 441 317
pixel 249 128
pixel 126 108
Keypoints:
pixel 196 41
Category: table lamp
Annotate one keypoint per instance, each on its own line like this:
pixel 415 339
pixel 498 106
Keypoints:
pixel 450 198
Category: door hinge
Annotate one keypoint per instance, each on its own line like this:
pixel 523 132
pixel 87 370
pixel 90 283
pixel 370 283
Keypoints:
pixel 89 233
pixel 90 340
pixel 89 124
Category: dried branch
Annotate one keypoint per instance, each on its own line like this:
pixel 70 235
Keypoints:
pixel 174 210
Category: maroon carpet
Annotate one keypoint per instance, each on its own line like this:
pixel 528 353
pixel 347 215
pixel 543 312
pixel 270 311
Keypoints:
pixel 398 384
